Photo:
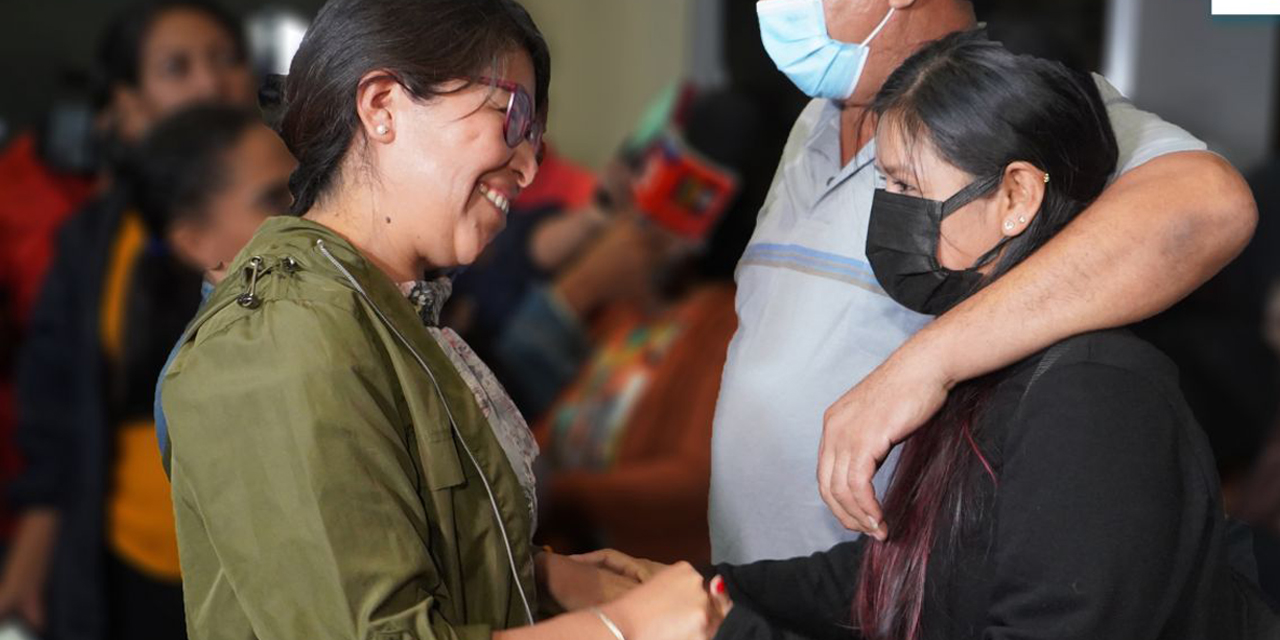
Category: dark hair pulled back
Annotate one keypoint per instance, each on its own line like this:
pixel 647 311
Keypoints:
pixel 983 107
pixel 422 43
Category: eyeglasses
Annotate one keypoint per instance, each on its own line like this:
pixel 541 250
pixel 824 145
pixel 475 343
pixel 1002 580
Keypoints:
pixel 521 123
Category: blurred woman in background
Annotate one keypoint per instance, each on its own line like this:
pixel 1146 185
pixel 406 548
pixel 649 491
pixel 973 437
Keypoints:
pixel 630 340
pixel 207 178
pixel 93 556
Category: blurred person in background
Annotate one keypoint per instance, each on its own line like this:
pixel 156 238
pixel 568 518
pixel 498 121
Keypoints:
pixel 639 323
pixel 813 317
pixel 626 444
pixel 206 179
pixel 45 176
pixel 341 465
pixel 93 555
pixel 539 342
pixel 44 181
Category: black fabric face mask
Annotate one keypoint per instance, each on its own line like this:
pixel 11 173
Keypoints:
pixel 902 247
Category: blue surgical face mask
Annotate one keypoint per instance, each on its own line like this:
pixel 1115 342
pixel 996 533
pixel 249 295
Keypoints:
pixel 795 35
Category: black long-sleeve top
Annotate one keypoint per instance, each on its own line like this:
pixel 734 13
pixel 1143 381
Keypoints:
pixel 1106 523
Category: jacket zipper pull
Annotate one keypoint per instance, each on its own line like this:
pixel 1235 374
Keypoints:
pixel 250 299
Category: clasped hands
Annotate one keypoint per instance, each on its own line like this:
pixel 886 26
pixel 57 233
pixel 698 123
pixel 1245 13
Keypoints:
pixel 649 600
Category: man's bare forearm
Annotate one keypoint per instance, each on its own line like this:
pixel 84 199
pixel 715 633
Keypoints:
pixel 1155 235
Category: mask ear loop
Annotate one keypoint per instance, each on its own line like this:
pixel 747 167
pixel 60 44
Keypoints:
pixel 973 191
pixel 879 28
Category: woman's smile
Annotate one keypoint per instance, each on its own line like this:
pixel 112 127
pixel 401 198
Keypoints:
pixel 497 197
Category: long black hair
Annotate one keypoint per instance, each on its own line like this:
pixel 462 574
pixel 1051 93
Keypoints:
pixel 423 43
pixel 981 108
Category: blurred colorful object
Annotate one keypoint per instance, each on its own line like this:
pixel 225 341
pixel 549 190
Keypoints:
pixel 681 190
pixel 666 111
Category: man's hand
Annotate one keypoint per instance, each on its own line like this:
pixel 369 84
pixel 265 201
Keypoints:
pixel 1152 237
pixel 862 426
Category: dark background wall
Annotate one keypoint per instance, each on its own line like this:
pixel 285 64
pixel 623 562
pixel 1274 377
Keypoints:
pixel 1071 32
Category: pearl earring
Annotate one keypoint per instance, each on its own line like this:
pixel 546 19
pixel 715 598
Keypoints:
pixel 1046 178
pixel 1022 220
pixel 382 129
pixel 1008 225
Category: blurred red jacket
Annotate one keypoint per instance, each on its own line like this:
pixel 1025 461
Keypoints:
pixel 34 202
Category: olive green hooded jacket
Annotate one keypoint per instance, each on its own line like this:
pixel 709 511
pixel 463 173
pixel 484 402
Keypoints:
pixel 332 475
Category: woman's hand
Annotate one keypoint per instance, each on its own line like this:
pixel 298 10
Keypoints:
pixel 672 605
pixel 577 585
pixel 720 597
pixel 622 564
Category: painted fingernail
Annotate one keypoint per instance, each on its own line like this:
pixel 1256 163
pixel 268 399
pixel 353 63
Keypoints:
pixel 717 585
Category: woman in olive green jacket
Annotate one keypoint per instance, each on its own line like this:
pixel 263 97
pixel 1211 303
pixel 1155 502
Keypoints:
pixel 342 468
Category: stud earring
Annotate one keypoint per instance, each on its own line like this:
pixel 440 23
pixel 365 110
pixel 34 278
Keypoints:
pixel 382 129
pixel 1022 220
pixel 1008 225
pixel 1046 178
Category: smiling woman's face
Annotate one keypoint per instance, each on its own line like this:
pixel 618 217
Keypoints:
pixel 450 171
pixel 911 166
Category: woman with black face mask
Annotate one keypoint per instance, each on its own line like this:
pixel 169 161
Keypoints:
pixel 1071 495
